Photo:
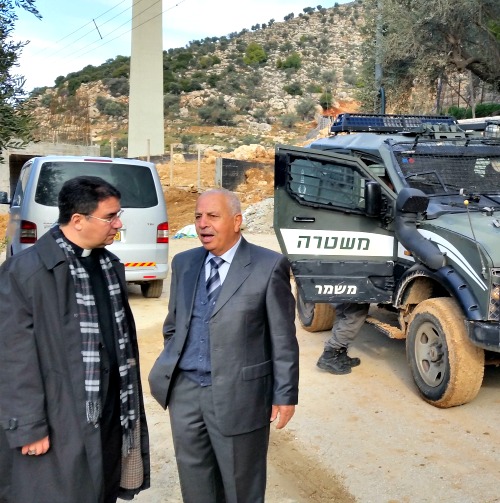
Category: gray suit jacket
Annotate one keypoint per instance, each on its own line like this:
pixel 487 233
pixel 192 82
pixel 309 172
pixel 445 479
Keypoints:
pixel 253 347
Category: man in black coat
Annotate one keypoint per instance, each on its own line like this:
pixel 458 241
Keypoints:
pixel 72 418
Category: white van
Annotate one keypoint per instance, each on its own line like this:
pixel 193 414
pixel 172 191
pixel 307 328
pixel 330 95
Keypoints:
pixel 142 242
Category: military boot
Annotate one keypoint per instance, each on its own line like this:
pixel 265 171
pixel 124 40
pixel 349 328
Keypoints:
pixel 352 362
pixel 332 361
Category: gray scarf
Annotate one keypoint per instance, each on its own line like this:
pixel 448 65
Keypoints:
pixel 91 338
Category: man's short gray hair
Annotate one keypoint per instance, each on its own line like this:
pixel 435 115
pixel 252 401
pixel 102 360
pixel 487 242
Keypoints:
pixel 232 199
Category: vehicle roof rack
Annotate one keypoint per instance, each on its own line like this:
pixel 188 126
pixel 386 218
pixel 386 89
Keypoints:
pixel 386 123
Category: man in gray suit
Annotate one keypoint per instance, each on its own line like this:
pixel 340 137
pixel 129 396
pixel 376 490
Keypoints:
pixel 229 366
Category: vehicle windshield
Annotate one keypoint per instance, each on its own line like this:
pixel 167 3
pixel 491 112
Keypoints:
pixel 450 167
pixel 135 183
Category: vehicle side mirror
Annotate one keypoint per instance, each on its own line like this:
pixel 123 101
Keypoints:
pixel 412 201
pixel 373 199
pixel 4 198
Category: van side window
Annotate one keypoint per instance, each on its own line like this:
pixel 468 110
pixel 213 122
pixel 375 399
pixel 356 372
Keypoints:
pixel 21 186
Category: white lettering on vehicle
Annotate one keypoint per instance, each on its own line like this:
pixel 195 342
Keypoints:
pixel 336 289
pixel 336 243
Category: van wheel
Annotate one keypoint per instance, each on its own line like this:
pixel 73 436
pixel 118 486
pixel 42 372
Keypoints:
pixel 447 368
pixel 314 317
pixel 152 289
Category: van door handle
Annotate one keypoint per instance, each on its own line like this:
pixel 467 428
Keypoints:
pixel 304 219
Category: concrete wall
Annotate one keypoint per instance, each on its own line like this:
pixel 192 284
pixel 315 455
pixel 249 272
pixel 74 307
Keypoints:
pixel 14 158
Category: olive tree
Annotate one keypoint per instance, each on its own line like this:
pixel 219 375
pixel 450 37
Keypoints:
pixel 422 41
pixel 16 119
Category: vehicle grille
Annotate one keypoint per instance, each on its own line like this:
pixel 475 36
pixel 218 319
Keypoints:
pixel 494 308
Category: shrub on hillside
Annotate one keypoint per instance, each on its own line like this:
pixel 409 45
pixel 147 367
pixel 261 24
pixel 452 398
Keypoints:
pixel 306 108
pixel 293 89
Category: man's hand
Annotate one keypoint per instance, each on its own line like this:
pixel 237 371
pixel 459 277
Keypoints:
pixel 284 413
pixel 36 448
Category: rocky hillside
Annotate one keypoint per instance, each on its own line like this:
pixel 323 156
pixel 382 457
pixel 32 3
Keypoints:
pixel 267 85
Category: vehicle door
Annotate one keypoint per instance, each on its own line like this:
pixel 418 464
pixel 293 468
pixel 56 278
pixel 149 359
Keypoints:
pixel 337 252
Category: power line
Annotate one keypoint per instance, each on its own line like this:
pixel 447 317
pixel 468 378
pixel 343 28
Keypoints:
pixel 83 26
pixel 105 38
pixel 130 30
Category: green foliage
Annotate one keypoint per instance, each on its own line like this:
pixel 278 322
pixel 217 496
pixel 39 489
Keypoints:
pixel 16 119
pixel 487 109
pixel 255 54
pixel 306 108
pixel 423 42
pixel 110 107
pixel 286 47
pixel 241 45
pixel 190 84
pixel 38 91
pixel 350 76
pixel 494 27
pixel 250 139
pixel 216 112
pixel 117 86
pixel 328 77
pixel 46 100
pixel 260 114
pixel 171 104
pixel 271 46
pixel 482 110
pixel 293 89
pixel 120 147
pixel 326 100
pixel 293 61
pixel 117 68
pixel 187 140
pixel 314 88
pixel 244 104
pixel 208 61
pixel 288 121
pixel 213 79
pixel 458 113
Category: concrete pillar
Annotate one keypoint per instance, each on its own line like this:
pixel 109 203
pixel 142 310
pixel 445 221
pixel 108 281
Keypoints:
pixel 145 127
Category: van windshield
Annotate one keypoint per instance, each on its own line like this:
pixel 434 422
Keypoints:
pixel 135 183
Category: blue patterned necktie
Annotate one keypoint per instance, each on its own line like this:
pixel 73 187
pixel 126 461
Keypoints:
pixel 213 282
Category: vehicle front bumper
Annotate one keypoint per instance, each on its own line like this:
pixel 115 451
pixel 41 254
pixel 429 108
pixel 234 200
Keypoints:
pixel 485 334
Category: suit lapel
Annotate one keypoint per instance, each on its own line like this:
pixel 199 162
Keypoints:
pixel 190 274
pixel 238 272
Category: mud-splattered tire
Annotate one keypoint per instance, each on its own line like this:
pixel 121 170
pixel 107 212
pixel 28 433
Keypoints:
pixel 314 317
pixel 447 368
pixel 152 289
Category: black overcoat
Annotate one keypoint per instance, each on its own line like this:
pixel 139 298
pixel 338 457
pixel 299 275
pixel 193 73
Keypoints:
pixel 42 383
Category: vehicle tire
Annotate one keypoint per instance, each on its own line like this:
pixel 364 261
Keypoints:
pixel 447 368
pixel 152 289
pixel 314 317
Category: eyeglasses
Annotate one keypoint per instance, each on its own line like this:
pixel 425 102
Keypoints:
pixel 108 220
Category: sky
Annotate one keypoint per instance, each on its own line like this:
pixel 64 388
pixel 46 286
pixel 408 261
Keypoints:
pixel 75 33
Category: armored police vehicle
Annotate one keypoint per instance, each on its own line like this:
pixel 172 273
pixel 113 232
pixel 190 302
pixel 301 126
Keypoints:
pixel 402 212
